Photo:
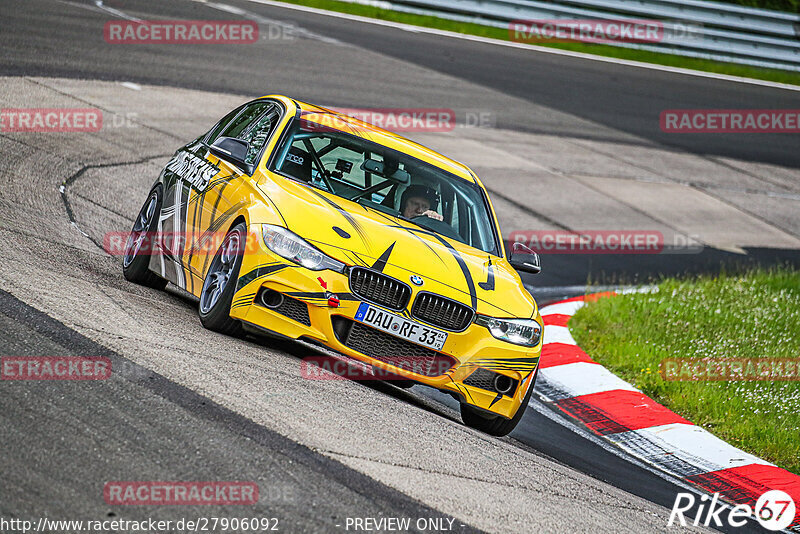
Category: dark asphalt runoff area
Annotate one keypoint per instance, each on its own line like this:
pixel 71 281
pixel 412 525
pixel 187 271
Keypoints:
pixel 61 446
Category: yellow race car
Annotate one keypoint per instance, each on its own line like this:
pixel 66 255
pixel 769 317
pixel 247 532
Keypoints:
pixel 295 221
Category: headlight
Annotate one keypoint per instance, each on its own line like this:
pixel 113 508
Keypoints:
pixel 294 248
pixel 526 332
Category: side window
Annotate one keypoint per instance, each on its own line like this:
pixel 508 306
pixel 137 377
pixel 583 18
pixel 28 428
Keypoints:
pixel 259 131
pixel 215 132
pixel 254 124
pixel 245 118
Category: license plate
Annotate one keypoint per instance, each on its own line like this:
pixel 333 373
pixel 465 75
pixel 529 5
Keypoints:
pixel 400 327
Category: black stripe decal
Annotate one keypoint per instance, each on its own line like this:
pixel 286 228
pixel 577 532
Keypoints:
pixel 461 389
pixel 356 258
pixel 197 204
pixel 216 202
pixel 216 225
pixel 224 179
pixel 225 183
pixel 213 218
pixel 188 266
pixel 258 272
pixel 532 359
pixel 349 218
pixel 241 304
pixel 409 230
pixel 518 368
pixel 464 270
pixel 381 263
pixel 285 224
pixel 243 298
pixel 461 263
pixel 414 231
pixel 321 295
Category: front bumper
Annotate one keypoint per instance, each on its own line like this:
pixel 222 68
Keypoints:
pixel 469 351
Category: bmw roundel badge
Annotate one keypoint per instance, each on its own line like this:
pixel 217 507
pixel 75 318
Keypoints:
pixel 416 280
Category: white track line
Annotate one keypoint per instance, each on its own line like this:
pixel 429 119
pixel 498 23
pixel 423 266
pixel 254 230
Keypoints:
pixel 583 378
pixel 524 46
pixel 693 441
pixel 540 405
pixel 255 17
pixel 115 12
pixel 562 308
pixel 557 334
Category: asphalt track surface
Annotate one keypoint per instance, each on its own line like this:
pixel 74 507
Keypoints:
pixel 624 98
pixel 169 431
pixel 182 434
pixel 337 62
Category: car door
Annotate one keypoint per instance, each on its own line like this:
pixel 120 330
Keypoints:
pixel 211 209
pixel 185 177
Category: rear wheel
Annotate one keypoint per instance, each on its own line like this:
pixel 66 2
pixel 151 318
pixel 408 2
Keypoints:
pixel 495 426
pixel 220 284
pixel 139 246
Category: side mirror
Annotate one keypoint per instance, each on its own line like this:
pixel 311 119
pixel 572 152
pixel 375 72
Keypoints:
pixel 524 259
pixel 233 151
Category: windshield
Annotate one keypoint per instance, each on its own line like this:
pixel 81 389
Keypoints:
pixel 386 180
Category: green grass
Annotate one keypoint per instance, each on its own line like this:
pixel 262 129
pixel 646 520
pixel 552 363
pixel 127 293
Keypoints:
pixel 752 315
pixel 792 6
pixel 602 50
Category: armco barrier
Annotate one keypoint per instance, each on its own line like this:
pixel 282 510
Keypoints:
pixel 694 28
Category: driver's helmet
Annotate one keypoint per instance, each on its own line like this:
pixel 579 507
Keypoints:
pixel 422 191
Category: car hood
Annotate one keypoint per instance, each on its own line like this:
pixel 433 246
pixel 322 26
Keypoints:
pixel 358 235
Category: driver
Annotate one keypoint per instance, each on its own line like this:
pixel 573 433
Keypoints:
pixel 419 200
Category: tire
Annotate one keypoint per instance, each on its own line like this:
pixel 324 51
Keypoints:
pixel 220 284
pixel 495 426
pixel 135 261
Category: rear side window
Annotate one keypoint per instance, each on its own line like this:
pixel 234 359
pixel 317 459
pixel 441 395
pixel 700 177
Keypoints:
pixel 258 131
pixel 254 123
pixel 250 113
pixel 215 132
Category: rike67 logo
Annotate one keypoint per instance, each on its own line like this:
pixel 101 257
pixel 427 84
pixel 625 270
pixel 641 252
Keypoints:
pixel 774 510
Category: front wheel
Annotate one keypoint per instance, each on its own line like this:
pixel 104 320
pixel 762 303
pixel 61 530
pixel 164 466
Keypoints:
pixel 220 284
pixel 495 426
